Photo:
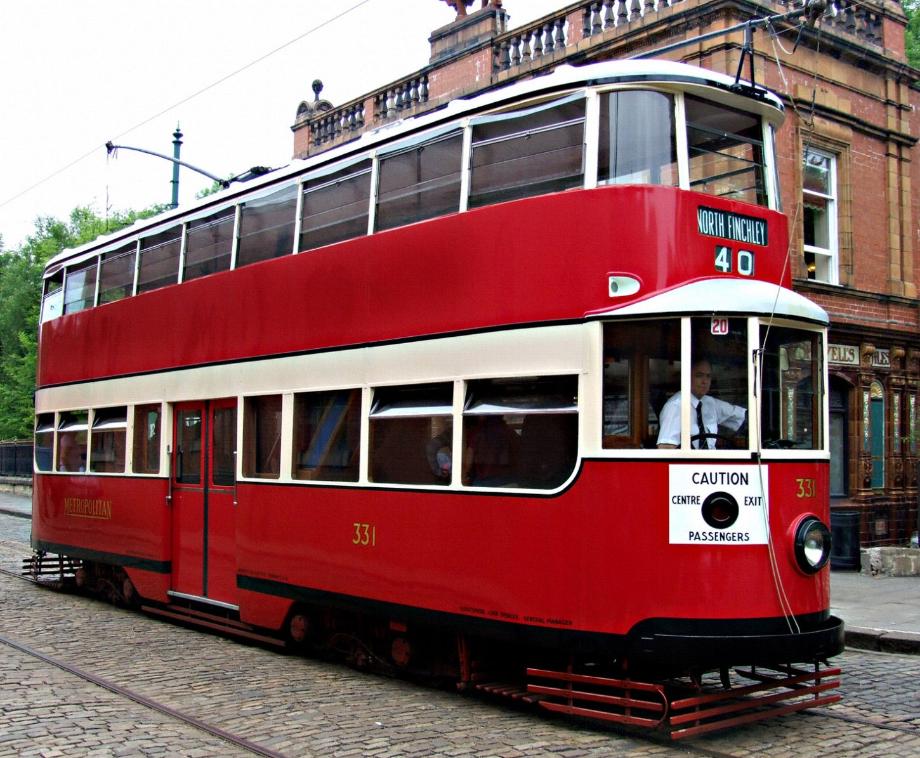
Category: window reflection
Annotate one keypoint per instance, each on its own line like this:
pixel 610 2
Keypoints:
pixel 791 371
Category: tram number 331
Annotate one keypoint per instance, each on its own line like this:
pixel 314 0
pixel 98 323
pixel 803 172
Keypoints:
pixel 726 261
pixel 806 488
pixel 365 535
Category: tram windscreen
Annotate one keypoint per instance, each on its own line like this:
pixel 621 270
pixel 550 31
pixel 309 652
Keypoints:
pixel 791 391
pixel 726 152
pixel 637 139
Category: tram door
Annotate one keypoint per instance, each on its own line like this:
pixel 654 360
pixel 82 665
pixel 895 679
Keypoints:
pixel 204 514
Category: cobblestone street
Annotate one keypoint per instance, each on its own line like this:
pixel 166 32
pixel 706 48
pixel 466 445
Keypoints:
pixel 295 706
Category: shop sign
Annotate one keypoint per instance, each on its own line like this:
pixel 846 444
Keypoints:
pixel 881 359
pixel 846 355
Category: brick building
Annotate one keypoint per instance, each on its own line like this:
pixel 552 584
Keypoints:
pixel 848 158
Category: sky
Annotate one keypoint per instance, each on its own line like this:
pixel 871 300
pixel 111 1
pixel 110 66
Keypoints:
pixel 78 73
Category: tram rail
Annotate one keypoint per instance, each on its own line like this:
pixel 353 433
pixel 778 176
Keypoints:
pixel 130 694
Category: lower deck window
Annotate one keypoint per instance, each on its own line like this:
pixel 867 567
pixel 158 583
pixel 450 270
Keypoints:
pixel 146 455
pixel 327 435
pixel 411 432
pixel 262 437
pixel 107 447
pixel 791 377
pixel 520 432
pixel 71 441
pixel 44 442
pixel 641 371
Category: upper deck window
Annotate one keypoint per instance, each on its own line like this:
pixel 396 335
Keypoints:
pixel 53 299
pixel 159 260
pixel 420 182
pixel 726 151
pixel 80 287
pixel 209 244
pixel 116 275
pixel 267 227
pixel 528 152
pixel 637 138
pixel 335 206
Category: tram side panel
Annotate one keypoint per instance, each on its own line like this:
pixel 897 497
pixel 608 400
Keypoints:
pixel 459 272
pixel 596 558
pixel 119 521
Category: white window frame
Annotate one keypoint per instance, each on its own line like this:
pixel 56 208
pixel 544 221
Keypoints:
pixel 827 260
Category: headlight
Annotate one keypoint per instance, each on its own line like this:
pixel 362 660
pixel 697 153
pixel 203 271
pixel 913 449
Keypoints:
pixel 812 545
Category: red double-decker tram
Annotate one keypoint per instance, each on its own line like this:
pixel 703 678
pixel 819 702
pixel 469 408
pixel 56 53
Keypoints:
pixel 516 389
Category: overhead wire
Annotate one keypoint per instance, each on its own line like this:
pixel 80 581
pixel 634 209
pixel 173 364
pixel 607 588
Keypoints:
pixel 182 101
pixel 808 123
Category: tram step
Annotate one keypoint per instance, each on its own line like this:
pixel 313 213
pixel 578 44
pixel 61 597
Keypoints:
pixel 509 690
pixel 216 623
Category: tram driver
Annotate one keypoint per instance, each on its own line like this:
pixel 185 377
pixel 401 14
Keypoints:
pixel 706 411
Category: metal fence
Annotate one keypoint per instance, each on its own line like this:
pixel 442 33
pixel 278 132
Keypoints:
pixel 16 459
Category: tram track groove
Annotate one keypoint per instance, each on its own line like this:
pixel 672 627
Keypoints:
pixel 130 694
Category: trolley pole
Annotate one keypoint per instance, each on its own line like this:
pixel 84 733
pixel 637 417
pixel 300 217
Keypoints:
pixel 177 148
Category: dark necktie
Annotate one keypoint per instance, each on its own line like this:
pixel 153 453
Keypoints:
pixel 701 429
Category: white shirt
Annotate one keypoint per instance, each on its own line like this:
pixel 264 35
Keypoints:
pixel 715 412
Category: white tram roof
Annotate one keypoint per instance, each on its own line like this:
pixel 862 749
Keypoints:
pixel 682 76
pixel 724 296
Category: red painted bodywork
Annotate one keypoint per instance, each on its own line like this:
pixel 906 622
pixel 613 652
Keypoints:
pixel 595 557
pixel 542 259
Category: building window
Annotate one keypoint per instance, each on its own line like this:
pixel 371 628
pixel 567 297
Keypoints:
pixel 877 434
pixel 819 201
pixel 838 436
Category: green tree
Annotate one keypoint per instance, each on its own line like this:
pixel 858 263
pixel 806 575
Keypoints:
pixel 20 300
pixel 912 35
